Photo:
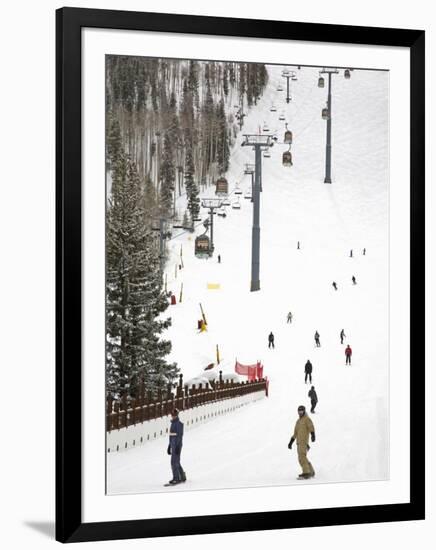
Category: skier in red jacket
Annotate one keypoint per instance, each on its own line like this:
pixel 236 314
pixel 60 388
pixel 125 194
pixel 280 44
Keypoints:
pixel 348 354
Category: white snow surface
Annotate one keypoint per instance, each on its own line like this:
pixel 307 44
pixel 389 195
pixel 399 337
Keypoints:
pixel 249 447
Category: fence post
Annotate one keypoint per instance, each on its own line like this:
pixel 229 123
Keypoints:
pixel 109 414
pixel 133 418
pixel 117 415
pixel 124 404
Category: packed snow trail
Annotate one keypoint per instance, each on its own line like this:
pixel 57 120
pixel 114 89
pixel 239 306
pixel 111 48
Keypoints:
pixel 248 447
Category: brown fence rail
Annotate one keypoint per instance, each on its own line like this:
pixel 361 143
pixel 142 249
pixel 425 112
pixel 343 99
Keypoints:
pixel 124 413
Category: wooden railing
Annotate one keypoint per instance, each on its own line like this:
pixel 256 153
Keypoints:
pixel 124 413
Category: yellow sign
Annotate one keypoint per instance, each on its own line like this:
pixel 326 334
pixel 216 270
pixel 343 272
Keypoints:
pixel 213 286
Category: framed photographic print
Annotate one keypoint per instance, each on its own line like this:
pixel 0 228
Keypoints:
pixel 240 275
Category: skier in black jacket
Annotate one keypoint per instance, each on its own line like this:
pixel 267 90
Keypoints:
pixel 175 448
pixel 271 340
pixel 317 342
pixel 308 372
pixel 313 398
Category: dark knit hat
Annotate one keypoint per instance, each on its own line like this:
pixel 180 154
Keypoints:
pixel 302 408
pixel 174 412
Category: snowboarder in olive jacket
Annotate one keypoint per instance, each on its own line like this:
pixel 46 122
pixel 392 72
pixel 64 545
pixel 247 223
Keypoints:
pixel 313 399
pixel 308 372
pixel 175 448
pixel 303 428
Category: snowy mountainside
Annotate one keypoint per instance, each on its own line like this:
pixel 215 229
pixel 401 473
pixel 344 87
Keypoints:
pixel 351 420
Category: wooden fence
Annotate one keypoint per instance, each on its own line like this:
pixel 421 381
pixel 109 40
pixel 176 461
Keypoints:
pixel 124 413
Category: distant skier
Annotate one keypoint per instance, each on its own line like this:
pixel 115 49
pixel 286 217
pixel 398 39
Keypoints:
pixel 219 258
pixel 351 253
pixel 298 245
pixel 348 354
pixel 289 317
pixel 334 285
pixel 317 342
pixel 308 372
pixel 353 278
pixel 342 336
pixel 303 427
pixel 313 399
pixel 271 340
pixel 175 448
pixel 364 251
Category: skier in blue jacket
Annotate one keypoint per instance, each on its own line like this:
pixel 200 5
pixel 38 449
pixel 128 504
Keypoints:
pixel 175 448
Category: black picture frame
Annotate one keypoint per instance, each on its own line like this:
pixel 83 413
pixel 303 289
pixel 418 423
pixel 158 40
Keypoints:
pixel 69 23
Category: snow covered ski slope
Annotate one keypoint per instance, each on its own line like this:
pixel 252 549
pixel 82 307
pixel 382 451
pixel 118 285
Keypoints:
pixel 248 448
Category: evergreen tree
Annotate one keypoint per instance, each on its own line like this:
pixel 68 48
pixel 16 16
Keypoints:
pixel 223 146
pixel 135 301
pixel 167 176
pixel 191 187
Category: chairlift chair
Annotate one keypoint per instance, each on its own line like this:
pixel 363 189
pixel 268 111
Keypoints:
pixel 222 187
pixel 273 109
pixel 287 158
pixel 325 113
pixel 236 205
pixel 203 247
pixel 288 137
pixel 238 190
pixel 267 154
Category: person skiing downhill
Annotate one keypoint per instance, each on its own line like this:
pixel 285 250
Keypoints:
pixel 348 354
pixel 303 428
pixel 219 258
pixel 317 342
pixel 271 340
pixel 308 372
pixel 289 317
pixel 313 399
pixel 353 279
pixel 175 449
pixel 342 336
pixel 334 285
pixel 351 253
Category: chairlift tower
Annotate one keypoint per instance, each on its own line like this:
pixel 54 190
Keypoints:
pixel 328 153
pixel 288 75
pixel 258 142
pixel 212 204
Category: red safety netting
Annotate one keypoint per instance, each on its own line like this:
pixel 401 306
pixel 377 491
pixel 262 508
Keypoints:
pixel 254 372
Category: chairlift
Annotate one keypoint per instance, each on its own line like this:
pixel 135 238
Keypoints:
pixel 273 109
pixel 203 248
pixel 222 187
pixel 222 212
pixel 280 88
pixel 247 195
pixel 282 117
pixel 236 205
pixel 238 190
pixel 325 113
pixel 287 158
pixel 226 202
pixel 267 154
pixel 288 137
pixel 265 128
pixel 347 74
pixel 294 78
pixel 320 82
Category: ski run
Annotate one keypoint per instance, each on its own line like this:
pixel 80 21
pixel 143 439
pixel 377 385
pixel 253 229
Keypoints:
pixel 248 447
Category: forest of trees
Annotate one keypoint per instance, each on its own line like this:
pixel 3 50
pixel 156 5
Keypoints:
pixel 170 126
